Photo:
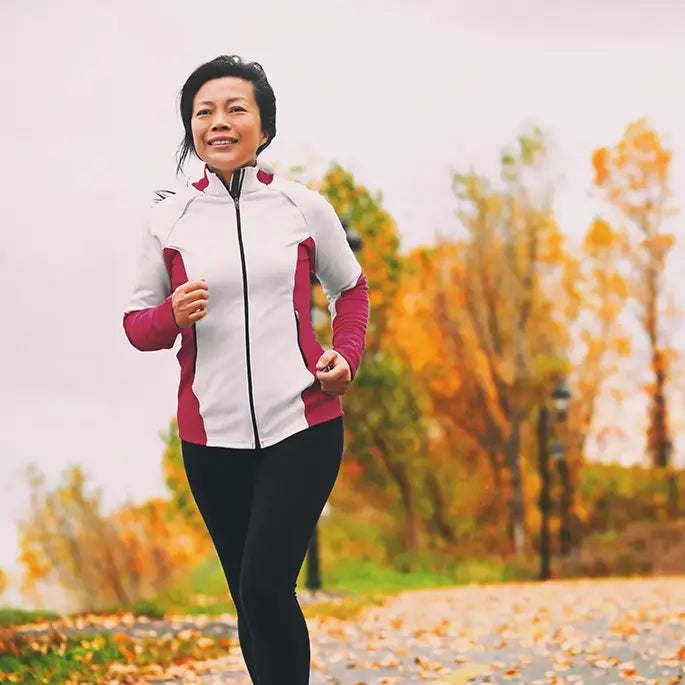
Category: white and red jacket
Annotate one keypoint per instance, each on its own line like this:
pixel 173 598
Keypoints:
pixel 248 367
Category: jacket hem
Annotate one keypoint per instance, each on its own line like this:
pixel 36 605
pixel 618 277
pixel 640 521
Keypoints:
pixel 268 442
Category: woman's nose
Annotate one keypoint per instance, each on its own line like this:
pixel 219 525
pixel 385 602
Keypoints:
pixel 220 121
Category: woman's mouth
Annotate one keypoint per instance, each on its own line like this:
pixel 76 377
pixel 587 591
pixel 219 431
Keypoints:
pixel 222 142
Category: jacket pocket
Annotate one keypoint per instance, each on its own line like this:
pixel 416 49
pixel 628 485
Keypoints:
pixel 299 344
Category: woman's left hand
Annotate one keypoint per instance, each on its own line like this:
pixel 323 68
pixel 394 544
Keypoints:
pixel 333 373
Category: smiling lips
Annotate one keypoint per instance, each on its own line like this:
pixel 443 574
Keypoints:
pixel 219 142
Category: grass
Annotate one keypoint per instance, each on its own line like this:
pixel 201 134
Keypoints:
pixel 359 583
pixel 13 617
pixel 56 658
pixel 364 577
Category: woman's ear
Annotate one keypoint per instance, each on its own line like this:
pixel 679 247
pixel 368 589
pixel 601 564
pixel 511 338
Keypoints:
pixel 265 137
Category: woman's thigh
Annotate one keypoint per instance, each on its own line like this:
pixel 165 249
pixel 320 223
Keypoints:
pixel 221 481
pixel 293 481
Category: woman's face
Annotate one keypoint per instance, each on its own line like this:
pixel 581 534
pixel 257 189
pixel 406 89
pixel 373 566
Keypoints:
pixel 226 126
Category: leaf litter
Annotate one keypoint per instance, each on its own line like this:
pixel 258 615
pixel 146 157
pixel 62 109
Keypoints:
pixel 580 631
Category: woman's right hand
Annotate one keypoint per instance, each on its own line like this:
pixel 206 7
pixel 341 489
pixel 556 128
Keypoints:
pixel 189 303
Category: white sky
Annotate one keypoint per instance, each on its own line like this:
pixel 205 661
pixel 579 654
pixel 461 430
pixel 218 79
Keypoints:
pixel 399 92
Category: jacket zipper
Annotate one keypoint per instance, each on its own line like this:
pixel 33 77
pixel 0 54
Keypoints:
pixel 297 328
pixel 236 185
pixel 195 348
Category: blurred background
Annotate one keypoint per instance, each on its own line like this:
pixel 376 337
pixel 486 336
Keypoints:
pixel 514 174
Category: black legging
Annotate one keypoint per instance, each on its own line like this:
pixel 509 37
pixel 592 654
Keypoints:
pixel 260 508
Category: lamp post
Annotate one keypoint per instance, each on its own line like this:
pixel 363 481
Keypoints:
pixel 543 457
pixel 559 457
pixel 560 400
pixel 313 567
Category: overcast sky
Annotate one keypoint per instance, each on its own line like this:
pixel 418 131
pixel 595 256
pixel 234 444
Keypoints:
pixel 399 92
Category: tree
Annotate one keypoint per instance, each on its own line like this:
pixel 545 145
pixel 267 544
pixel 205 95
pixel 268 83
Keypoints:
pixel 182 500
pixel 599 341
pixel 101 560
pixel 493 304
pixel 633 176
pixel 384 419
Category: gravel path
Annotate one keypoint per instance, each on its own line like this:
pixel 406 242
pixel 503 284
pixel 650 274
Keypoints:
pixel 592 631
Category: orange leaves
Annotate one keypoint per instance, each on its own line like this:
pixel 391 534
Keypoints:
pixel 600 160
pixel 600 236
pixel 636 161
pixel 659 245
pixel 634 178
pixel 623 346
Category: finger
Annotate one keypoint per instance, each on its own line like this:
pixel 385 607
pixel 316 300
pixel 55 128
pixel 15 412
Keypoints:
pixel 335 374
pixel 196 316
pixel 193 286
pixel 326 359
pixel 197 292
pixel 195 296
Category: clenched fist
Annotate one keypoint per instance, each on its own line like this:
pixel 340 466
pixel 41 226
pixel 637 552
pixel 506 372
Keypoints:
pixel 189 303
pixel 333 373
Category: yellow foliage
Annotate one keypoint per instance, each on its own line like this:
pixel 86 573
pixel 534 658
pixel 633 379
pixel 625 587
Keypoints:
pixel 600 235
pixel 635 179
pixel 133 553
pixel 599 161
pixel 623 346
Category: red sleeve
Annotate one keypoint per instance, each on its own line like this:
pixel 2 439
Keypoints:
pixel 350 322
pixel 153 328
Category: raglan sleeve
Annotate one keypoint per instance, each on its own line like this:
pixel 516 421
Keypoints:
pixel 343 281
pixel 148 317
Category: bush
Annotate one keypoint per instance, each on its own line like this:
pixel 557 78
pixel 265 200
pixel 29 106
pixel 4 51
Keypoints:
pixel 120 559
pixel 613 496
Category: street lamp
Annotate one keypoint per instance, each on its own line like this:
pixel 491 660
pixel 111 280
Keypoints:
pixel 354 240
pixel 560 400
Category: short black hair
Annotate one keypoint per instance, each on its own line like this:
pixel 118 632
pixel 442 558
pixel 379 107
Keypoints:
pixel 226 65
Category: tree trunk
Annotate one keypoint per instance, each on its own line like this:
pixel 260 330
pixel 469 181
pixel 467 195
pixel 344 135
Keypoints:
pixel 516 502
pixel 565 508
pixel 398 474
pixel 659 425
pixel 439 520
pixel 496 472
pixel 411 533
pixel 658 437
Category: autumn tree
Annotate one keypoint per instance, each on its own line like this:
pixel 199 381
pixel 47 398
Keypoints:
pixel 599 336
pixel 493 317
pixel 101 560
pixel 598 342
pixel 633 176
pixel 461 441
pixel 384 426
pixel 182 500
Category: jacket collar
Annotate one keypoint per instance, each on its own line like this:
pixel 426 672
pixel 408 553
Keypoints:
pixel 242 181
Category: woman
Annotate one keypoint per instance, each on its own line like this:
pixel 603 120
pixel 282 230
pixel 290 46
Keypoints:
pixel 226 263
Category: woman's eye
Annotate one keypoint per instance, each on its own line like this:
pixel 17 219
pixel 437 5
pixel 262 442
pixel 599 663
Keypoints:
pixel 237 109
pixel 201 112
